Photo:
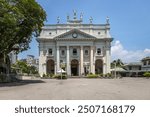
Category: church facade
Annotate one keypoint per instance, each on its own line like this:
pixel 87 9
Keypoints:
pixel 77 48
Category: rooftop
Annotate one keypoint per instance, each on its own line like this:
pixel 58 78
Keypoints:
pixel 134 64
pixel 146 58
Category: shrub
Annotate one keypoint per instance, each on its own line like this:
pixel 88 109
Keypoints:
pixel 108 75
pixel 44 75
pixel 59 76
pixel 146 74
pixel 92 76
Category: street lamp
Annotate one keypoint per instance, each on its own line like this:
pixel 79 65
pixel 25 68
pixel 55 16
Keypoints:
pixel 115 68
pixel 62 64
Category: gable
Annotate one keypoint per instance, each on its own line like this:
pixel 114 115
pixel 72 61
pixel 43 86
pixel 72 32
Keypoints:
pixel 75 34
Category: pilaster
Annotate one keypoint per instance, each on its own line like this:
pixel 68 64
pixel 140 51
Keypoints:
pixel 68 62
pixel 58 59
pixel 81 61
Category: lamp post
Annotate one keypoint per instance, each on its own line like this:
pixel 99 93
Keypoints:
pixel 61 69
pixel 62 64
pixel 115 68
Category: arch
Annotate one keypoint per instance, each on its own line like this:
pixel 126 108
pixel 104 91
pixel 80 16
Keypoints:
pixel 98 66
pixel 50 66
pixel 74 67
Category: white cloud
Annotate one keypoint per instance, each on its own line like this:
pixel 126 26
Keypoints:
pixel 119 52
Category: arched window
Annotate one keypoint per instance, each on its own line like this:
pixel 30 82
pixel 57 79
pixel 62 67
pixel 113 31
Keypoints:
pixel 74 51
pixel 99 51
pixel 86 52
pixel 50 52
pixel 63 52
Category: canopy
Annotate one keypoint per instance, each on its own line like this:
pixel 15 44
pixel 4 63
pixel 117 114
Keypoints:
pixel 118 69
pixel 61 71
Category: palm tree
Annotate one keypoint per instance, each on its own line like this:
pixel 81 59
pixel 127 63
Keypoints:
pixel 118 63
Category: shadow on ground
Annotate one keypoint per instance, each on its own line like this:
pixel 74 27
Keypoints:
pixel 20 83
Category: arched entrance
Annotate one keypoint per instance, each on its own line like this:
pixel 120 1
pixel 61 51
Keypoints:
pixel 74 67
pixel 50 66
pixel 98 66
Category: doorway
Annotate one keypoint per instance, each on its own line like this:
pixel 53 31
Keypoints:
pixel 74 67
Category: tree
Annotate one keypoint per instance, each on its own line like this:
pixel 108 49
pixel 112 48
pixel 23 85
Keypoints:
pixel 20 20
pixel 25 68
pixel 118 63
pixel 146 74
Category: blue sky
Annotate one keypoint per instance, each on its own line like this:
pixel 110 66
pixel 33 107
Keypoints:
pixel 129 19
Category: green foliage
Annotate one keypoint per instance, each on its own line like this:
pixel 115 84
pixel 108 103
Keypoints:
pixel 44 75
pixel 58 76
pixel 4 78
pixel 20 20
pixel 25 68
pixel 108 75
pixel 92 76
pixel 146 74
pixel 118 63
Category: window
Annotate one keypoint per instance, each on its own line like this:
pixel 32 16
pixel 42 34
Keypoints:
pixel 63 52
pixel 144 63
pixel 148 62
pixel 130 67
pixel 74 51
pixel 98 51
pixel 86 52
pixel 50 52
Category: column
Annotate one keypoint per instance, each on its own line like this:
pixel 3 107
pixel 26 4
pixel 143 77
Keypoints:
pixel 58 59
pixel 94 61
pixel 81 61
pixel 55 68
pixel 108 57
pixel 108 60
pixel 104 65
pixel 91 60
pixel 68 62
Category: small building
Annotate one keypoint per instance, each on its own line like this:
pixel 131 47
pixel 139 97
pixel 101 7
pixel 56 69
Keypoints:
pixel 133 69
pixel 146 64
pixel 138 68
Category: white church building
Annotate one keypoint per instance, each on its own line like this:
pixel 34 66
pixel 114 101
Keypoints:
pixel 76 47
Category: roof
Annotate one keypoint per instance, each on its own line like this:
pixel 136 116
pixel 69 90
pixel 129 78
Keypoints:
pixel 118 69
pixel 133 64
pixel 146 58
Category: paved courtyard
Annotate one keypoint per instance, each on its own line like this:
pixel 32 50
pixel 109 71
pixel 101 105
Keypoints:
pixel 116 89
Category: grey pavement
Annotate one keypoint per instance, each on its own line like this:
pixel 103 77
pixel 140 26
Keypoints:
pixel 77 89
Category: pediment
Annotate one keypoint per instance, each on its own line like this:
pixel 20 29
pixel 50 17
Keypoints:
pixel 75 34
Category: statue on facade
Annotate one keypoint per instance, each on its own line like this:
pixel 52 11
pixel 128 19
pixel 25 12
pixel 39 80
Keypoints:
pixel 81 16
pixel 58 20
pixel 91 20
pixel 75 14
pixel 68 17
pixel 107 20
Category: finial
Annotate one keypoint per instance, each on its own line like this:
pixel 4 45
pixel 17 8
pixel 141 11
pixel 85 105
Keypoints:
pixel 58 20
pixel 91 20
pixel 75 14
pixel 107 20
